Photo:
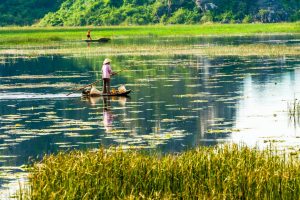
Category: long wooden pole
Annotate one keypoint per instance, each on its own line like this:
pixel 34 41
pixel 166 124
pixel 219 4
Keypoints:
pixel 84 87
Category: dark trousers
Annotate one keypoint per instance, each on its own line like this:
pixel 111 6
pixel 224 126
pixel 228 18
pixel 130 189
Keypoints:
pixel 106 85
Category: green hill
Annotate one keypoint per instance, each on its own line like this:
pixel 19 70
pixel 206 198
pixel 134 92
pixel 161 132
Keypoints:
pixel 25 12
pixel 127 12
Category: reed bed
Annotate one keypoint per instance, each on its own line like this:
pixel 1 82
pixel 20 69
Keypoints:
pixel 220 50
pixel 227 172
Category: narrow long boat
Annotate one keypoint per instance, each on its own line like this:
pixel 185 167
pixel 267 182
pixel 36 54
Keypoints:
pixel 98 40
pixel 87 93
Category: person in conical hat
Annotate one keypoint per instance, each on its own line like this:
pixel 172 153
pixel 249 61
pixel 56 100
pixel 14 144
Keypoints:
pixel 106 73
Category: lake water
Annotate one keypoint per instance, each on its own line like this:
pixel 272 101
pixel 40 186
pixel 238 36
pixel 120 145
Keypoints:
pixel 177 102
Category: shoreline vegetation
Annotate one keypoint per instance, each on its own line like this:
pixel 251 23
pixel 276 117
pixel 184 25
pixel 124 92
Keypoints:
pixel 35 41
pixel 36 35
pixel 221 172
pixel 205 50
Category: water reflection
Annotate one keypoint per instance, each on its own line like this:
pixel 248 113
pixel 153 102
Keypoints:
pixel 93 100
pixel 107 115
pixel 178 102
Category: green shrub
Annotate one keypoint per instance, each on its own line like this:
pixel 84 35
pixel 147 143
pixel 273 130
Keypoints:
pixel 183 16
pixel 247 19
pixel 207 17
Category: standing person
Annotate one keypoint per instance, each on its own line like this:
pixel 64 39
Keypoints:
pixel 88 35
pixel 106 73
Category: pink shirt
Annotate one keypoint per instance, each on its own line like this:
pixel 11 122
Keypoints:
pixel 106 71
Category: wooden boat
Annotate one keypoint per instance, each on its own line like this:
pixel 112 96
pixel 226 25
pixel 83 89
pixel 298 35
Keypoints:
pixel 98 40
pixel 87 93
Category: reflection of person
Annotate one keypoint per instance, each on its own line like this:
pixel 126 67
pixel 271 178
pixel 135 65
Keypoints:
pixel 94 100
pixel 88 35
pixel 107 114
pixel 106 73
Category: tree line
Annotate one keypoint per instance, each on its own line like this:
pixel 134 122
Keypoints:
pixel 142 12
pixel 25 12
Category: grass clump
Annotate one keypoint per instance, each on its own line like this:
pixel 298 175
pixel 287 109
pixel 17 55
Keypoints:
pixel 228 172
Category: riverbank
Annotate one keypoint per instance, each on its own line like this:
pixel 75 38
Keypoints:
pixel 37 35
pixel 229 172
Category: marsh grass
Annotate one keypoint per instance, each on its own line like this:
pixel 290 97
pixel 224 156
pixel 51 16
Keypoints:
pixel 228 172
pixel 135 49
pixel 31 35
pixel 36 41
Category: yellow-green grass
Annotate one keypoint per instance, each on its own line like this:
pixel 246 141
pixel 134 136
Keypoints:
pixel 228 172
pixel 33 35
pixel 156 49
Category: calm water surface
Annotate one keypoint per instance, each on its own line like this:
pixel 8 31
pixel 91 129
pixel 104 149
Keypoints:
pixel 177 102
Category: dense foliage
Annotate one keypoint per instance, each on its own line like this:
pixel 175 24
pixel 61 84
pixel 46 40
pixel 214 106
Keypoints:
pixel 25 12
pixel 115 12
pixel 127 12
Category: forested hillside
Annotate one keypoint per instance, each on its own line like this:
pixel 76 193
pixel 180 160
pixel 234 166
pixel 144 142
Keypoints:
pixel 114 12
pixel 127 12
pixel 25 12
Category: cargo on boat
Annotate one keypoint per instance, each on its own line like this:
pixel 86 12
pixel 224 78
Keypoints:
pixel 94 92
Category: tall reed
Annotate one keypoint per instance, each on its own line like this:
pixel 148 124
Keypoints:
pixel 294 108
pixel 228 172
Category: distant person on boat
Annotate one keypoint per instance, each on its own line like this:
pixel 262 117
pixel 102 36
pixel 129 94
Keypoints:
pixel 88 35
pixel 106 73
